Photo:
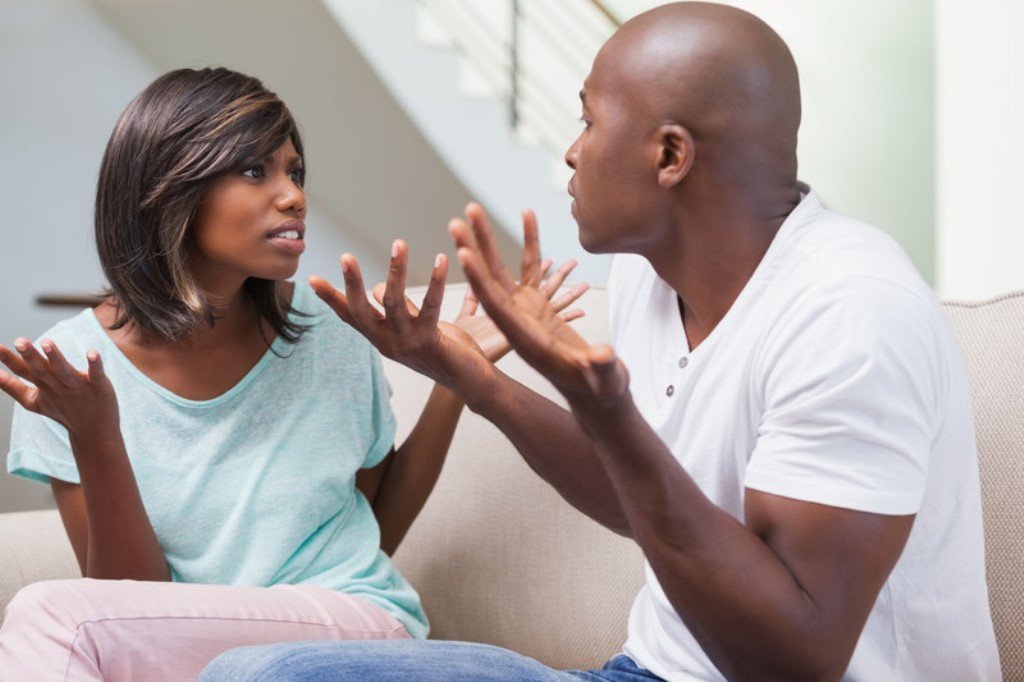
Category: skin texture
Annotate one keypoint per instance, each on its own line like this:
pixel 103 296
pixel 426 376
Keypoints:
pixel 104 516
pixel 687 158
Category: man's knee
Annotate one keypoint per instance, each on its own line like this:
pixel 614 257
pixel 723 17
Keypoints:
pixel 425 661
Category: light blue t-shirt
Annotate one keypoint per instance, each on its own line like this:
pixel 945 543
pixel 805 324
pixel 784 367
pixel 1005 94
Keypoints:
pixel 256 486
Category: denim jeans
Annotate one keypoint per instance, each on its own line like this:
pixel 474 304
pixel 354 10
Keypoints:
pixel 401 661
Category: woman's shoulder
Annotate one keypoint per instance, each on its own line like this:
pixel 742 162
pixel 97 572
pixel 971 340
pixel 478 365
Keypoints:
pixel 307 309
pixel 321 322
pixel 82 328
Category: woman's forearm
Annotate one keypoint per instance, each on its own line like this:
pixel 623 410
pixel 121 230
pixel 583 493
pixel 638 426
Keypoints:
pixel 415 467
pixel 120 542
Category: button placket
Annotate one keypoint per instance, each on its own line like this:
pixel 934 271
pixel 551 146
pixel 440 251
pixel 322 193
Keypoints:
pixel 683 362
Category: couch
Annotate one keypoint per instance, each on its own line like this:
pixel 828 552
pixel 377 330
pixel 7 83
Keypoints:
pixel 498 557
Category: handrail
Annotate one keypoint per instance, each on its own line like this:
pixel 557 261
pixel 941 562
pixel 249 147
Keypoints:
pixel 70 300
pixel 521 61
pixel 603 9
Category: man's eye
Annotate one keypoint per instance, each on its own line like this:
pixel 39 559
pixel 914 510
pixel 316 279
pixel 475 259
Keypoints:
pixel 298 176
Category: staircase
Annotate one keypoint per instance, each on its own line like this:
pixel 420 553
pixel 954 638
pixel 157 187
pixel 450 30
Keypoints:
pixel 447 63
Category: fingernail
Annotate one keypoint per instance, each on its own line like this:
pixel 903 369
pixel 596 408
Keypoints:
pixel 394 249
pixel 21 345
pixel 438 259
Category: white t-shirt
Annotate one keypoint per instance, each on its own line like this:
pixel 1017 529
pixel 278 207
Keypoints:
pixel 835 378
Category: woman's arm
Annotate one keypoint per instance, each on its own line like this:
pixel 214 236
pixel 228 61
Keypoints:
pixel 104 516
pixel 399 486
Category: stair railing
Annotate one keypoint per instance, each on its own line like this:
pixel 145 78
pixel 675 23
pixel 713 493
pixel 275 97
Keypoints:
pixel 534 54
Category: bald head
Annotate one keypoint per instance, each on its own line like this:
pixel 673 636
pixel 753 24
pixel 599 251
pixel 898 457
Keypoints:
pixel 720 72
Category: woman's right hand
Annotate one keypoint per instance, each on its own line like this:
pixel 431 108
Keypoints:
pixel 411 335
pixel 46 383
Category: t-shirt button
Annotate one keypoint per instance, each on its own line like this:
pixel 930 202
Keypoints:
pixel 670 390
pixel 683 362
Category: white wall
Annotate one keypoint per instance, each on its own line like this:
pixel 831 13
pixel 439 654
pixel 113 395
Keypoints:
pixel 980 144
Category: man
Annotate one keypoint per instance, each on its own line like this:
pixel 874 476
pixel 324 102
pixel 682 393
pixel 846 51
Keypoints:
pixel 782 422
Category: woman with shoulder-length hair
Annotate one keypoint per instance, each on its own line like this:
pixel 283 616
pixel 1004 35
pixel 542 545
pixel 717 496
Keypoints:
pixel 219 443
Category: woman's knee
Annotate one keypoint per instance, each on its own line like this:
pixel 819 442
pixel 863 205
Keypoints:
pixel 63 602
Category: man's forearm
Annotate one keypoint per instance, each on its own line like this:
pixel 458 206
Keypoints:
pixel 746 593
pixel 552 443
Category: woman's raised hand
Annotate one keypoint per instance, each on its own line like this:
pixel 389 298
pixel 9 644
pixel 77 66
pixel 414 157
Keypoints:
pixel 412 336
pixel 415 336
pixel 46 383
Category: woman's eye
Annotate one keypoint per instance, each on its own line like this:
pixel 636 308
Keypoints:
pixel 298 176
pixel 585 122
pixel 255 172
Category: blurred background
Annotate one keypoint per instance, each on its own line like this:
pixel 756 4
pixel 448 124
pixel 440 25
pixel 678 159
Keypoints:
pixel 410 108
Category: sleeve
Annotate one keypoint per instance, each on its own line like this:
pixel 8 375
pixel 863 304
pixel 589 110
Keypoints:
pixel 852 385
pixel 40 449
pixel 381 415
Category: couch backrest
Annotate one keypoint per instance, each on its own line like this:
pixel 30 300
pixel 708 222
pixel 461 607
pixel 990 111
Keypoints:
pixel 992 336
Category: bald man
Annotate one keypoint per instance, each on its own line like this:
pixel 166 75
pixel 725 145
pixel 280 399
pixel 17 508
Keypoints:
pixel 782 422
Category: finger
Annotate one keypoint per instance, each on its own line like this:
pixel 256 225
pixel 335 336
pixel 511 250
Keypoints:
pixel 37 365
pixel 430 311
pixel 96 371
pixel 362 312
pixel 58 363
pixel 393 301
pixel 605 374
pixel 555 281
pixel 378 296
pixel 467 246
pixel 486 289
pixel 570 315
pixel 337 301
pixel 15 364
pixel 545 265
pixel 485 245
pixel 566 299
pixel 20 392
pixel 470 303
pixel 531 271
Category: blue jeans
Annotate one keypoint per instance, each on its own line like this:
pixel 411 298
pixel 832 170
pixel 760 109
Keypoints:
pixel 400 661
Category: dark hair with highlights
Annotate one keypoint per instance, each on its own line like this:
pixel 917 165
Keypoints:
pixel 179 134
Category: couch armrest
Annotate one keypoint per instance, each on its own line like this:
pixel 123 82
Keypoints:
pixel 33 546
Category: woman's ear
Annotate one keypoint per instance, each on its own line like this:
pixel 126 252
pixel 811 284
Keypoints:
pixel 676 151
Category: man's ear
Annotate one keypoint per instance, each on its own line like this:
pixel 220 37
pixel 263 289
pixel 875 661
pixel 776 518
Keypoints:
pixel 675 154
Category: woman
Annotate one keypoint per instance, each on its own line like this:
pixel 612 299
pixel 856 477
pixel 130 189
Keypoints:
pixel 228 445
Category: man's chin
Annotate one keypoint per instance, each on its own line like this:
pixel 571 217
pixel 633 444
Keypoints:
pixel 589 243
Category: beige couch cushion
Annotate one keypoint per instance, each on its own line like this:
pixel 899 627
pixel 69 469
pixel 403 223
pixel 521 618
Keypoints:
pixel 992 336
